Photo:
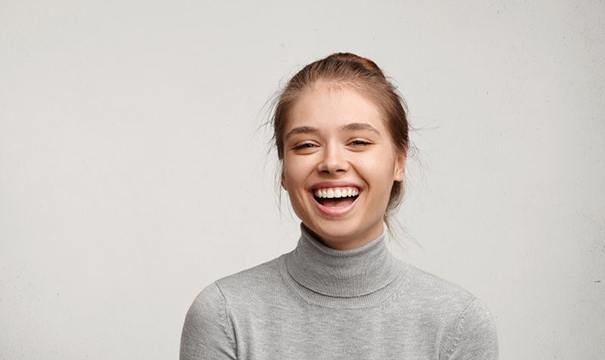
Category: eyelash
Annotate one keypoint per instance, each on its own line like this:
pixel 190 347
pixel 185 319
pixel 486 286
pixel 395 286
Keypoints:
pixel 354 143
pixel 303 146
pixel 360 142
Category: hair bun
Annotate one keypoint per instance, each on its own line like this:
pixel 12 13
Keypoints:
pixel 367 64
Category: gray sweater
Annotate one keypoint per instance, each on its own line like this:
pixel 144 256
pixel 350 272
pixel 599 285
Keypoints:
pixel 316 302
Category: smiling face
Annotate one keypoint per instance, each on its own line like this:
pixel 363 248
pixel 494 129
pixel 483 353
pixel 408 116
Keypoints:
pixel 339 164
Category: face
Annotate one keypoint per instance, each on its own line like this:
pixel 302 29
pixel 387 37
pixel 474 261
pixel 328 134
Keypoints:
pixel 339 165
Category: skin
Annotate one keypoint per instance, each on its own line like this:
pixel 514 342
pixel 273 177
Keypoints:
pixel 335 150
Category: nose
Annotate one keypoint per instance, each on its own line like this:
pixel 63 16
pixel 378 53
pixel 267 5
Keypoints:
pixel 333 160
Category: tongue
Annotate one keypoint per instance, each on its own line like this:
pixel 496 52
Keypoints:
pixel 339 202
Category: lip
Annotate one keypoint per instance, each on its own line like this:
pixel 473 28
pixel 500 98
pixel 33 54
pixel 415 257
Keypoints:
pixel 333 212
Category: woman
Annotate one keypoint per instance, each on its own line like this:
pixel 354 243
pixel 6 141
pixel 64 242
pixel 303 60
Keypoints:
pixel 341 134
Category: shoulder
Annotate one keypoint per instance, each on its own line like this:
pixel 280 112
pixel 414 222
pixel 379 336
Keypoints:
pixel 471 335
pixel 240 288
pixel 208 327
pixel 254 285
pixel 434 291
pixel 256 278
pixel 219 293
pixel 208 311
pixel 468 326
pixel 207 330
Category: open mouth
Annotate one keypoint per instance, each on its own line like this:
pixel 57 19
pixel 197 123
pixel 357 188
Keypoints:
pixel 336 197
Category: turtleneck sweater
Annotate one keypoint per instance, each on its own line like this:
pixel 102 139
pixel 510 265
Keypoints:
pixel 316 302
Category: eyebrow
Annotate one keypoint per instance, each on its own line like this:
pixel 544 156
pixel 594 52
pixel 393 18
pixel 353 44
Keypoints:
pixel 348 127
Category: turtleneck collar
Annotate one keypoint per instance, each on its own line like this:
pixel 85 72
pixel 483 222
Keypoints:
pixel 341 273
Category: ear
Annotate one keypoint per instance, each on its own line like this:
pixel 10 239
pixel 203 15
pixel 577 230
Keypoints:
pixel 283 181
pixel 400 160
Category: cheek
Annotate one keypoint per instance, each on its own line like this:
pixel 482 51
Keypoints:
pixel 295 171
pixel 378 172
pixel 378 167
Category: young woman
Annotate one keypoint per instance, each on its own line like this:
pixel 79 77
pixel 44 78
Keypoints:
pixel 341 134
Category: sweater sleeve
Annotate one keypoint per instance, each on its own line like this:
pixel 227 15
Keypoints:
pixel 207 333
pixel 473 335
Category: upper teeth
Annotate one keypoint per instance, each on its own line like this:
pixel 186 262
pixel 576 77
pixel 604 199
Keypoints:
pixel 336 192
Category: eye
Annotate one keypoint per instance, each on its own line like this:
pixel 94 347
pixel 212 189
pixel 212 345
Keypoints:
pixel 359 142
pixel 303 146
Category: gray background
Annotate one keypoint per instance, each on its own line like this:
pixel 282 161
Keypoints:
pixel 133 164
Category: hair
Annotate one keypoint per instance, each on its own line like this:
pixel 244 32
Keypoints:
pixel 360 74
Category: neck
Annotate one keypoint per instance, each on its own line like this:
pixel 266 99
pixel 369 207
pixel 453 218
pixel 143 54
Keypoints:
pixel 341 273
pixel 346 243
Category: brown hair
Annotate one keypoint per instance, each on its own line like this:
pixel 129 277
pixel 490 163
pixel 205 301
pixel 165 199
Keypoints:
pixel 363 75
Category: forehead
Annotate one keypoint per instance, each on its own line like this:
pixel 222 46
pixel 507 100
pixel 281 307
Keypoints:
pixel 330 106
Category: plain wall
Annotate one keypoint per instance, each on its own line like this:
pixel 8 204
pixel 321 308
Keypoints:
pixel 134 168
